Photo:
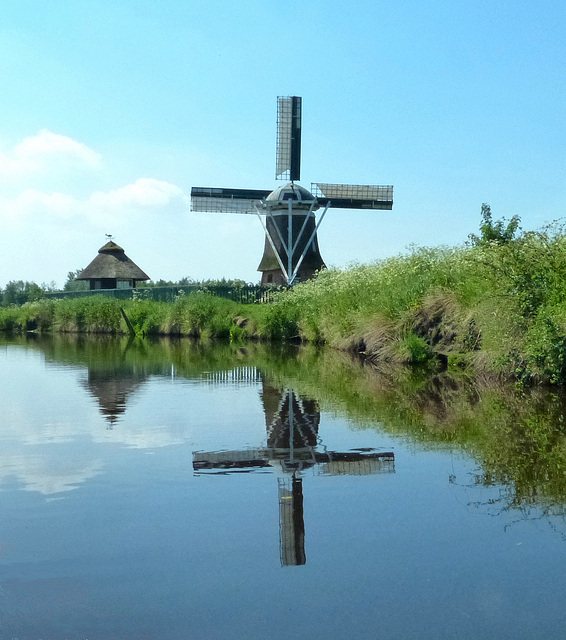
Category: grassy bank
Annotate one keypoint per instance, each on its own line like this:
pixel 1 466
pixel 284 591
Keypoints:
pixel 497 306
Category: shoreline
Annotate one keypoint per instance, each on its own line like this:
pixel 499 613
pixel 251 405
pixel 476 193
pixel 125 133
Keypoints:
pixel 496 307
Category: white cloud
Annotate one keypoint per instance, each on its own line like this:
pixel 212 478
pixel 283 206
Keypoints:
pixel 47 152
pixel 46 145
pixel 55 192
pixel 144 197
pixel 145 193
pixel 32 204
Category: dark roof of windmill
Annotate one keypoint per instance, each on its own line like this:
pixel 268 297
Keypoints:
pixel 112 262
pixel 291 191
pixel 301 197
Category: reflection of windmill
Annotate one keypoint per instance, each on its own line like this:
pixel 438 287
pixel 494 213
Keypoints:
pixel 293 446
pixel 291 249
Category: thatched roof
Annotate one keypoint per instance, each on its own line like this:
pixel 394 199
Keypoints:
pixel 112 262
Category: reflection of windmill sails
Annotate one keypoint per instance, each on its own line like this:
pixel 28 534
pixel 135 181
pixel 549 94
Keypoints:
pixel 293 445
pixel 291 522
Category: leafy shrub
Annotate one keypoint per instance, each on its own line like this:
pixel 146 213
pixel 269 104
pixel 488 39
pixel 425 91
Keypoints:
pixel 38 315
pixel 94 314
pixel 414 350
pixel 499 232
pixel 278 320
pixel 10 319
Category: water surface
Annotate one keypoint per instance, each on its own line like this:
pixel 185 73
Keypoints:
pixel 171 490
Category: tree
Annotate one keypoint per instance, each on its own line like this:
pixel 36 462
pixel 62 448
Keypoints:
pixel 19 292
pixel 72 284
pixel 499 232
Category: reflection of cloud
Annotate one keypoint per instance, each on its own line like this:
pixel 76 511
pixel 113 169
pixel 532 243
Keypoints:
pixel 46 473
pixel 133 438
pixel 64 464
pixel 21 430
pixel 57 442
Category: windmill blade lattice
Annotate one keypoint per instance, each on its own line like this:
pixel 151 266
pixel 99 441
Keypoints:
pixel 291 251
pixel 214 200
pixel 353 196
pixel 289 119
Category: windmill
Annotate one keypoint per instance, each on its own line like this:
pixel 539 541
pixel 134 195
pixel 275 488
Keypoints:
pixel 291 251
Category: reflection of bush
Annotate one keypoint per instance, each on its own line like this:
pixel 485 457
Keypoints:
pixel 518 438
pixel 524 444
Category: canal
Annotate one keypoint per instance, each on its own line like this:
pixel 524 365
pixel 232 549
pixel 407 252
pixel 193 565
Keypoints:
pixel 173 489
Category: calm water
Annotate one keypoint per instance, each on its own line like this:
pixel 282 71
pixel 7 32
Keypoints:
pixel 152 491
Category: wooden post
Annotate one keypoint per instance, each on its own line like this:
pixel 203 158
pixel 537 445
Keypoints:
pixel 128 323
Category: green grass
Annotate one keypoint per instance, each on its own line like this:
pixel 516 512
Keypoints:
pixel 497 307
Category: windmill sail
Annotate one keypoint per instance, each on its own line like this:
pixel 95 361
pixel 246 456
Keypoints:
pixel 291 253
pixel 289 115
pixel 353 196
pixel 214 200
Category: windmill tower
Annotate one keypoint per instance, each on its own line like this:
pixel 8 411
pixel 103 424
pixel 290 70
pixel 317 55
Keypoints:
pixel 291 252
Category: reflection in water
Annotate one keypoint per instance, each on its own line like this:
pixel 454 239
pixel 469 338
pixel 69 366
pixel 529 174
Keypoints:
pixel 518 440
pixel 112 389
pixel 144 551
pixel 113 377
pixel 293 445
pixel 291 522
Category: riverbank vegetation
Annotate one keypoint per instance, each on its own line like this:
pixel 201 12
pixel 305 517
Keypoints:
pixel 496 306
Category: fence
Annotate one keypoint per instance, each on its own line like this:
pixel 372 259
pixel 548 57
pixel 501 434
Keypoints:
pixel 247 294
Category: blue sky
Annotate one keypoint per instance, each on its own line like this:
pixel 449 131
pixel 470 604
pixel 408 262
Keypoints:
pixel 110 111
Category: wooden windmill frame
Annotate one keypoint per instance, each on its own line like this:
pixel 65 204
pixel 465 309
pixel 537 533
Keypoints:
pixel 290 226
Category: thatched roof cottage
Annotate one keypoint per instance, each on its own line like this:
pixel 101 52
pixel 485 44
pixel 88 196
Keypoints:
pixel 112 269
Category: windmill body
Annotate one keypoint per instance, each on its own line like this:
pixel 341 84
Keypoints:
pixel 291 252
pixel 289 223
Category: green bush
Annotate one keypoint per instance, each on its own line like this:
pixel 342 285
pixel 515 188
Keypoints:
pixel 415 350
pixel 147 316
pixel 95 314
pixel 278 320
pixel 38 315
pixel 10 319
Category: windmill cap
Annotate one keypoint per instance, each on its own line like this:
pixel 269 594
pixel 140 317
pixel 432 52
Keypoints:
pixel 293 192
